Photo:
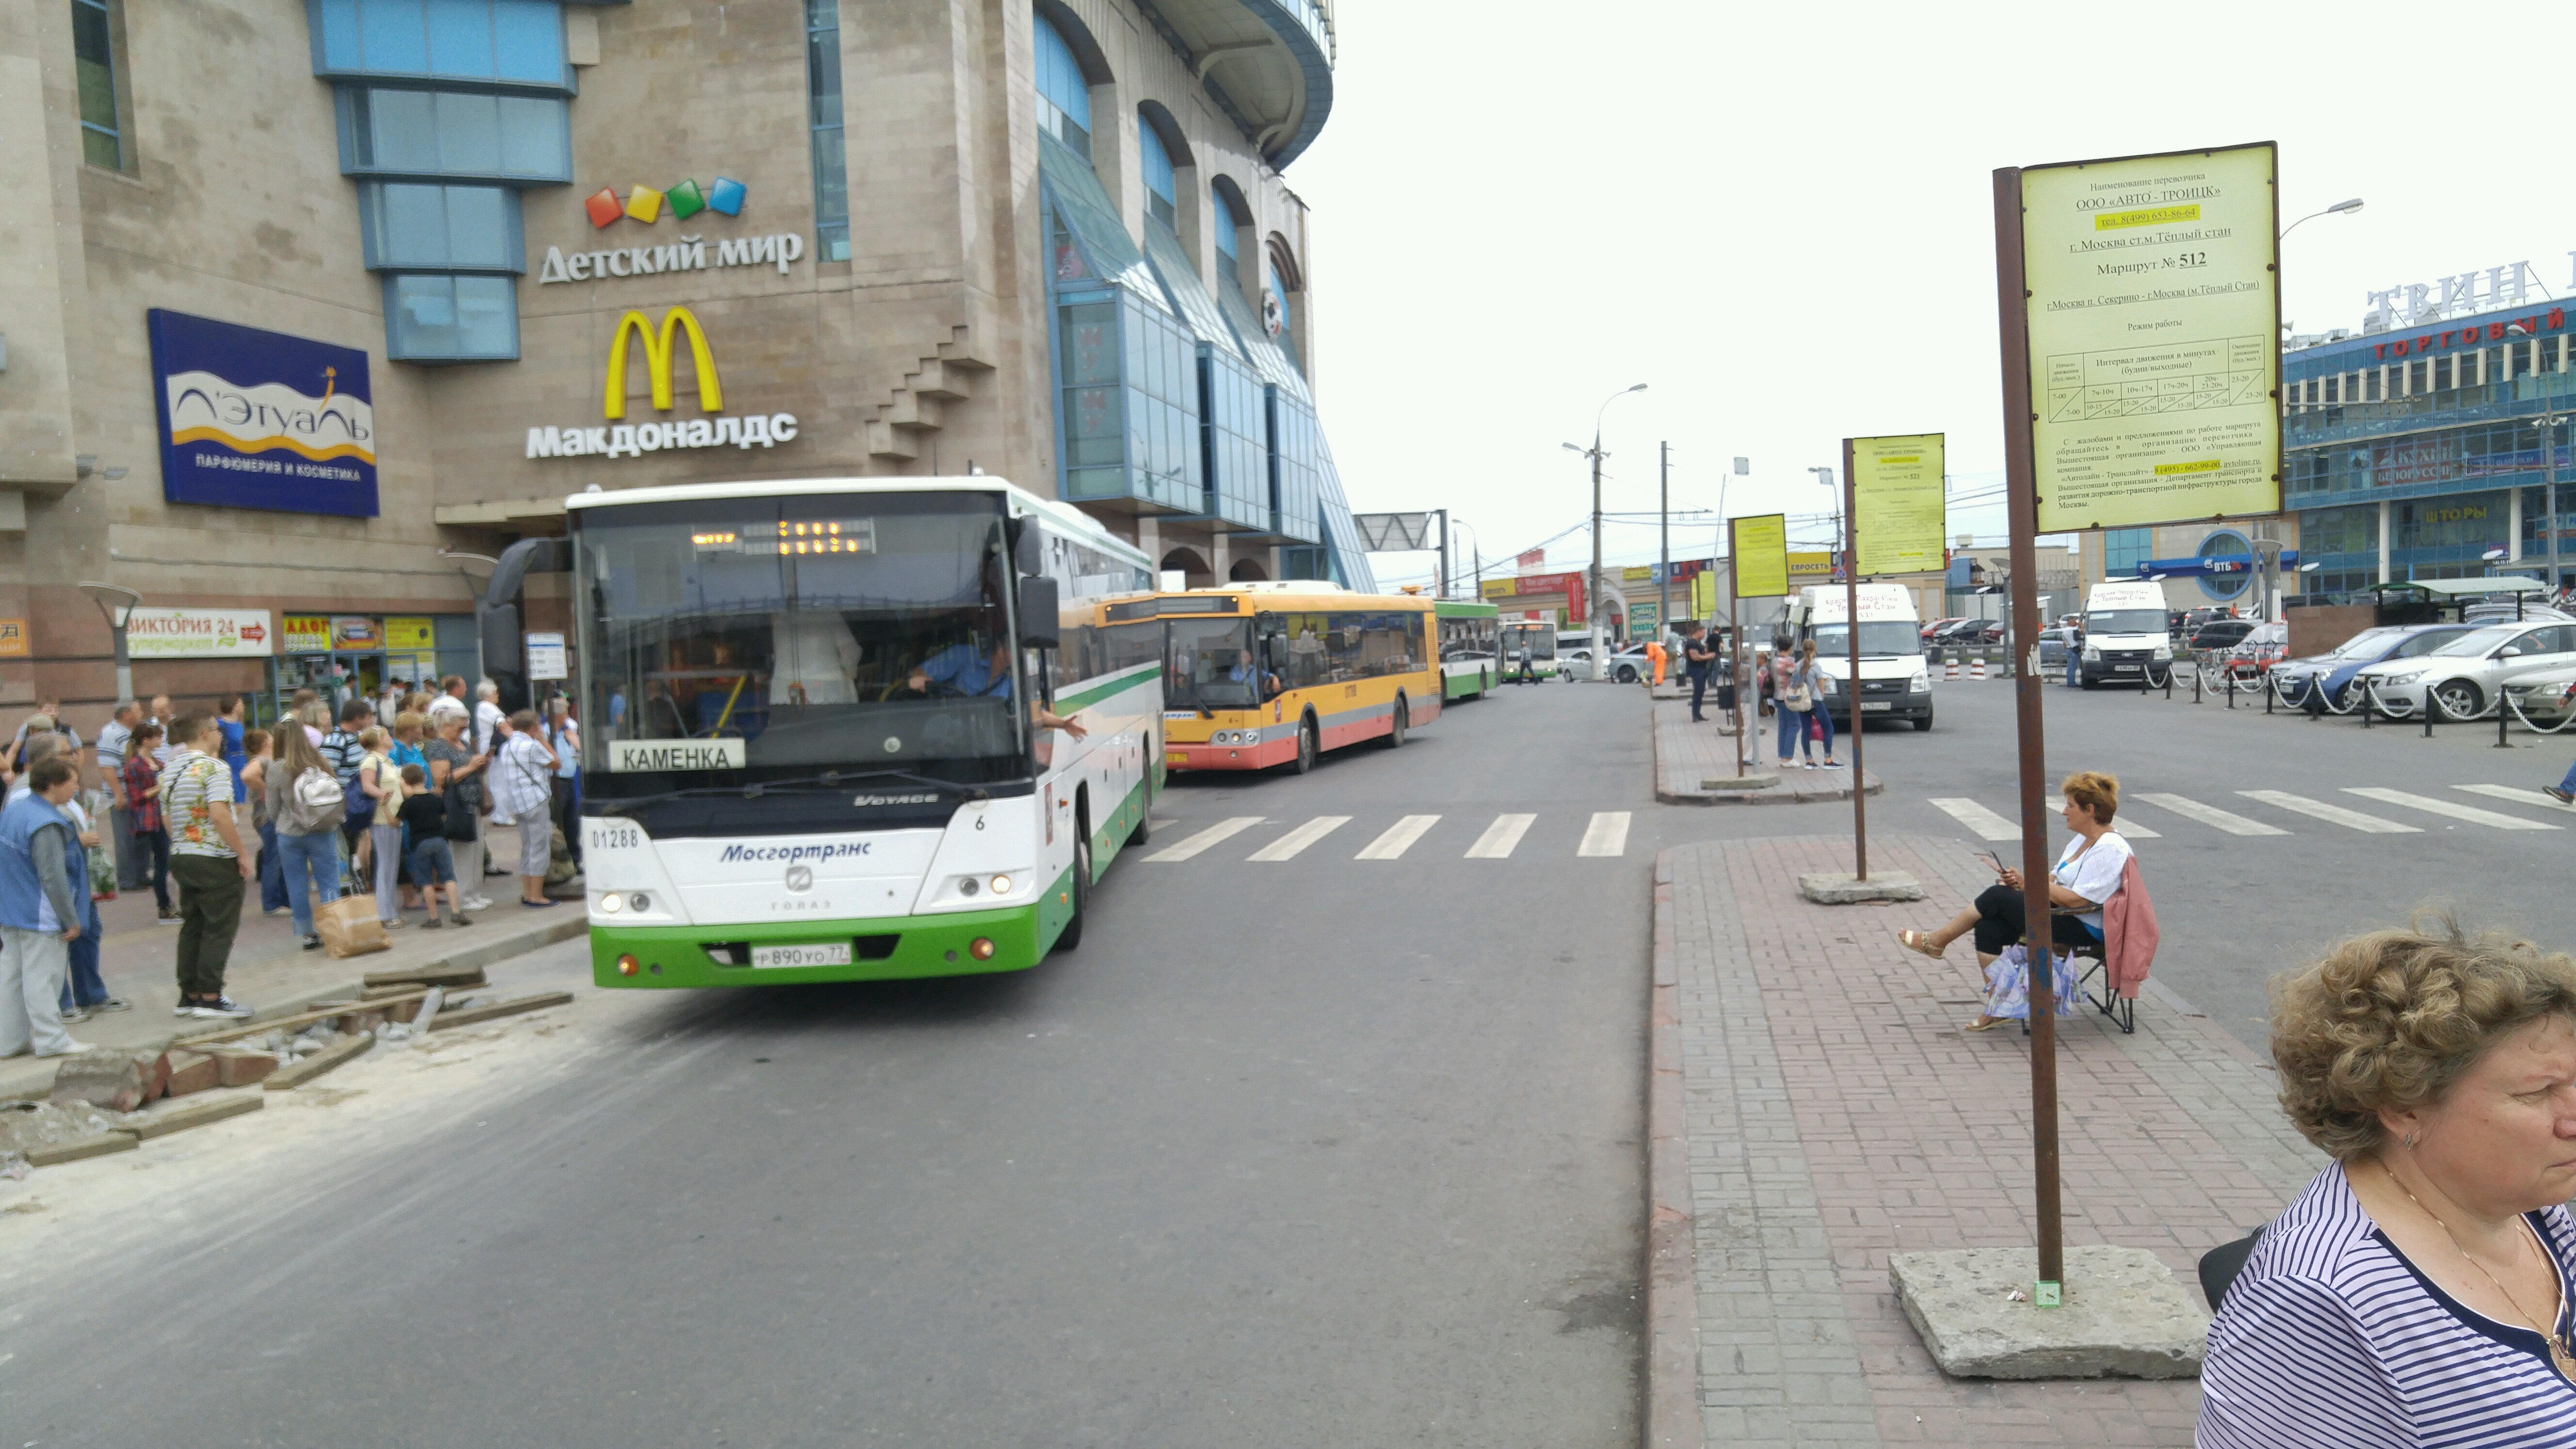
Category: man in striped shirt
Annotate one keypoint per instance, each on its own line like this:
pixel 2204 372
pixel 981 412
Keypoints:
pixel 206 855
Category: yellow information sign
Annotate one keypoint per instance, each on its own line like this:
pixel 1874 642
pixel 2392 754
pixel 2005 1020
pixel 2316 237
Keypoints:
pixel 2154 325
pixel 1898 503
pixel 1758 547
pixel 1704 594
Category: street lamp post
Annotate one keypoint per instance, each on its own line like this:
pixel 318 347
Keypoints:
pixel 2340 208
pixel 1592 585
pixel 118 603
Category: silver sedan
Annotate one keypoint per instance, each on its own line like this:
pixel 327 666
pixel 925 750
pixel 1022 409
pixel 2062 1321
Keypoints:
pixel 2465 676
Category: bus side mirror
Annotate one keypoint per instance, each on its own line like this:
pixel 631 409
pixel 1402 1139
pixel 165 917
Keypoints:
pixel 1275 652
pixel 1038 628
pixel 1024 538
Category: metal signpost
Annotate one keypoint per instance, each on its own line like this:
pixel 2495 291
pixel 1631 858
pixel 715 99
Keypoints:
pixel 1757 567
pixel 1896 482
pixel 2139 311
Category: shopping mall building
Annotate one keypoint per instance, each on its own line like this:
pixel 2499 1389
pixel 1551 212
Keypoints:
pixel 311 300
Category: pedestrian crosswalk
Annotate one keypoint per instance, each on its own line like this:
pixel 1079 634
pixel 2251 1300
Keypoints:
pixel 1988 823
pixel 1605 835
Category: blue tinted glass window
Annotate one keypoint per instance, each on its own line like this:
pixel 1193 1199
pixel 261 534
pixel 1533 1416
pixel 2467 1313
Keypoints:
pixel 1064 96
pixel 831 156
pixel 451 319
pixel 1279 297
pixel 94 76
pixel 2123 549
pixel 1226 225
pixel 460 37
pixel 392 35
pixel 486 40
pixel 1160 198
pixel 410 225
pixel 441 133
pixel 527 40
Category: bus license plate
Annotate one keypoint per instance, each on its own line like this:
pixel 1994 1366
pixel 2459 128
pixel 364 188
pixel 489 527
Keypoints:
pixel 834 954
pixel 1870 704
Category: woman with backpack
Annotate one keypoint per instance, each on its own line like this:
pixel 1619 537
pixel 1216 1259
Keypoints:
pixel 304 805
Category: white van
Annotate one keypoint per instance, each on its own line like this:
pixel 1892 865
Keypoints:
pixel 1893 681
pixel 2124 634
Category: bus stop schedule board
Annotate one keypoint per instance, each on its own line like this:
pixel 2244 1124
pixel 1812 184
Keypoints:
pixel 2154 318
pixel 1758 548
pixel 1897 503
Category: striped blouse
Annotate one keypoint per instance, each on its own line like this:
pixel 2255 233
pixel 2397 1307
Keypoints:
pixel 2331 1336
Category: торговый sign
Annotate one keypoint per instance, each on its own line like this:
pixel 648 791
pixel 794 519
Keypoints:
pixel 253 419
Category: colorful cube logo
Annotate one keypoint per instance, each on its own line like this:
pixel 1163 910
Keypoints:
pixel 685 199
pixel 603 207
pixel 726 196
pixel 644 204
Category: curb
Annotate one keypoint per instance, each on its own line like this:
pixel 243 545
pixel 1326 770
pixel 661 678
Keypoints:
pixel 35 1081
pixel 1774 796
pixel 1672 1417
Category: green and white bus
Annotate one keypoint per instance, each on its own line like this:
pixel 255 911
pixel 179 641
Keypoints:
pixel 833 726
pixel 1469 640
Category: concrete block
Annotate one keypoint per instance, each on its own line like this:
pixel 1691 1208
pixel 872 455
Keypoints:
pixel 96 1145
pixel 181 1117
pixel 1735 784
pixel 242 1066
pixel 435 973
pixel 296 1074
pixel 192 1072
pixel 2124 1316
pixel 1833 888
pixel 117 1079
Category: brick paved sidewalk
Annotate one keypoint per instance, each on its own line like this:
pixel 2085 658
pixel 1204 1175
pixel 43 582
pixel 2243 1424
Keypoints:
pixel 270 970
pixel 1687 754
pixel 1835 1113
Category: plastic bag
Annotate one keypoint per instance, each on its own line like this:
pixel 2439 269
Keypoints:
pixel 2008 984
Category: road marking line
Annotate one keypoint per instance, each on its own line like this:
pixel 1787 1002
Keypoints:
pixel 2432 806
pixel 1398 838
pixel 1287 846
pixel 2513 793
pixel 2332 814
pixel 1217 834
pixel 1607 835
pixel 1986 823
pixel 2132 830
pixel 2211 815
pixel 1500 838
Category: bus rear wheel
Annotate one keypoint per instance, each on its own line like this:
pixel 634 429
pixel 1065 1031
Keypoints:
pixel 1307 748
pixel 1395 732
pixel 1071 935
pixel 1144 830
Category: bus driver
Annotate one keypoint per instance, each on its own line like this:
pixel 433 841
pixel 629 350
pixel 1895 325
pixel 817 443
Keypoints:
pixel 961 668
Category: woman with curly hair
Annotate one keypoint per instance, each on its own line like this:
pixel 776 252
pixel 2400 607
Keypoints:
pixel 2417 1292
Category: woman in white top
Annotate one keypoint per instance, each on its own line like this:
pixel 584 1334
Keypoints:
pixel 2087 874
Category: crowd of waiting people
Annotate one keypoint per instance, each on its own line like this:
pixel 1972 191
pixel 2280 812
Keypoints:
pixel 393 797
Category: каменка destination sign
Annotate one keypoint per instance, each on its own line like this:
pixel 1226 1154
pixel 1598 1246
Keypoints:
pixel 2154 319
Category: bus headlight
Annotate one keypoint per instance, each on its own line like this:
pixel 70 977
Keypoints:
pixel 611 904
pixel 625 965
pixel 969 886
pixel 1001 885
pixel 981 948
pixel 638 902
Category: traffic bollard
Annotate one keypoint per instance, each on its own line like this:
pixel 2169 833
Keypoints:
pixel 2267 695
pixel 2369 706
pixel 2428 714
pixel 2230 676
pixel 2501 742
pixel 2195 681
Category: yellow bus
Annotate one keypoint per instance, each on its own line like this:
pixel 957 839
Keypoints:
pixel 1256 675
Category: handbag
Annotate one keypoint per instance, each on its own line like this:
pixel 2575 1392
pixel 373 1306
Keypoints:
pixel 1815 729
pixel 1794 699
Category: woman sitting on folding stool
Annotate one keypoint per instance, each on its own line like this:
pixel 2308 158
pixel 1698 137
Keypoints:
pixel 2087 874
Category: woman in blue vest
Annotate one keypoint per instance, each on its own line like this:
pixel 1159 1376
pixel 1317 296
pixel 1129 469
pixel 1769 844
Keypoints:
pixel 40 858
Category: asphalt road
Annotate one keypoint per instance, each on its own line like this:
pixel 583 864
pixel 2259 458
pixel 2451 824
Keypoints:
pixel 1302 1151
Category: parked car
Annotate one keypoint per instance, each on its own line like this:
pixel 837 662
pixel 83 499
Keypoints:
pixel 1972 634
pixel 2221 634
pixel 2258 651
pixel 2192 619
pixel 2463 676
pixel 1939 629
pixel 2546 697
pixel 1629 664
pixel 2053 644
pixel 2330 674
pixel 2505 611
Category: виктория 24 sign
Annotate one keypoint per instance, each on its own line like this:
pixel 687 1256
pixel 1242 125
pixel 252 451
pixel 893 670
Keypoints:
pixel 2154 326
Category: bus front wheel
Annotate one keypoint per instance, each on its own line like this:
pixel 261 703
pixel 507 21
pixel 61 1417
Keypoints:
pixel 1307 748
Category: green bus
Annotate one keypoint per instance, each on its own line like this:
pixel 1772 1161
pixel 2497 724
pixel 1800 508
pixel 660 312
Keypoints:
pixel 1470 648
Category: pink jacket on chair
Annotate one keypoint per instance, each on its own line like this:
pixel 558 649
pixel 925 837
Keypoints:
pixel 2129 933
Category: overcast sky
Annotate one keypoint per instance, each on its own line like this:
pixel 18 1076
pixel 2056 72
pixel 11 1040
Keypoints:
pixel 1780 218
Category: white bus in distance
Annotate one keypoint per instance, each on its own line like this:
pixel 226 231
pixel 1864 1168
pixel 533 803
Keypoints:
pixel 1893 680
pixel 833 726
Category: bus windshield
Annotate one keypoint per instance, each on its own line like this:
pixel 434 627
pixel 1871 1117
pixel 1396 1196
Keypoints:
pixel 1879 639
pixel 1538 639
pixel 1209 664
pixel 819 631
pixel 2125 621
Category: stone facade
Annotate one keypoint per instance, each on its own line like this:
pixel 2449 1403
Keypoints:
pixel 925 352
